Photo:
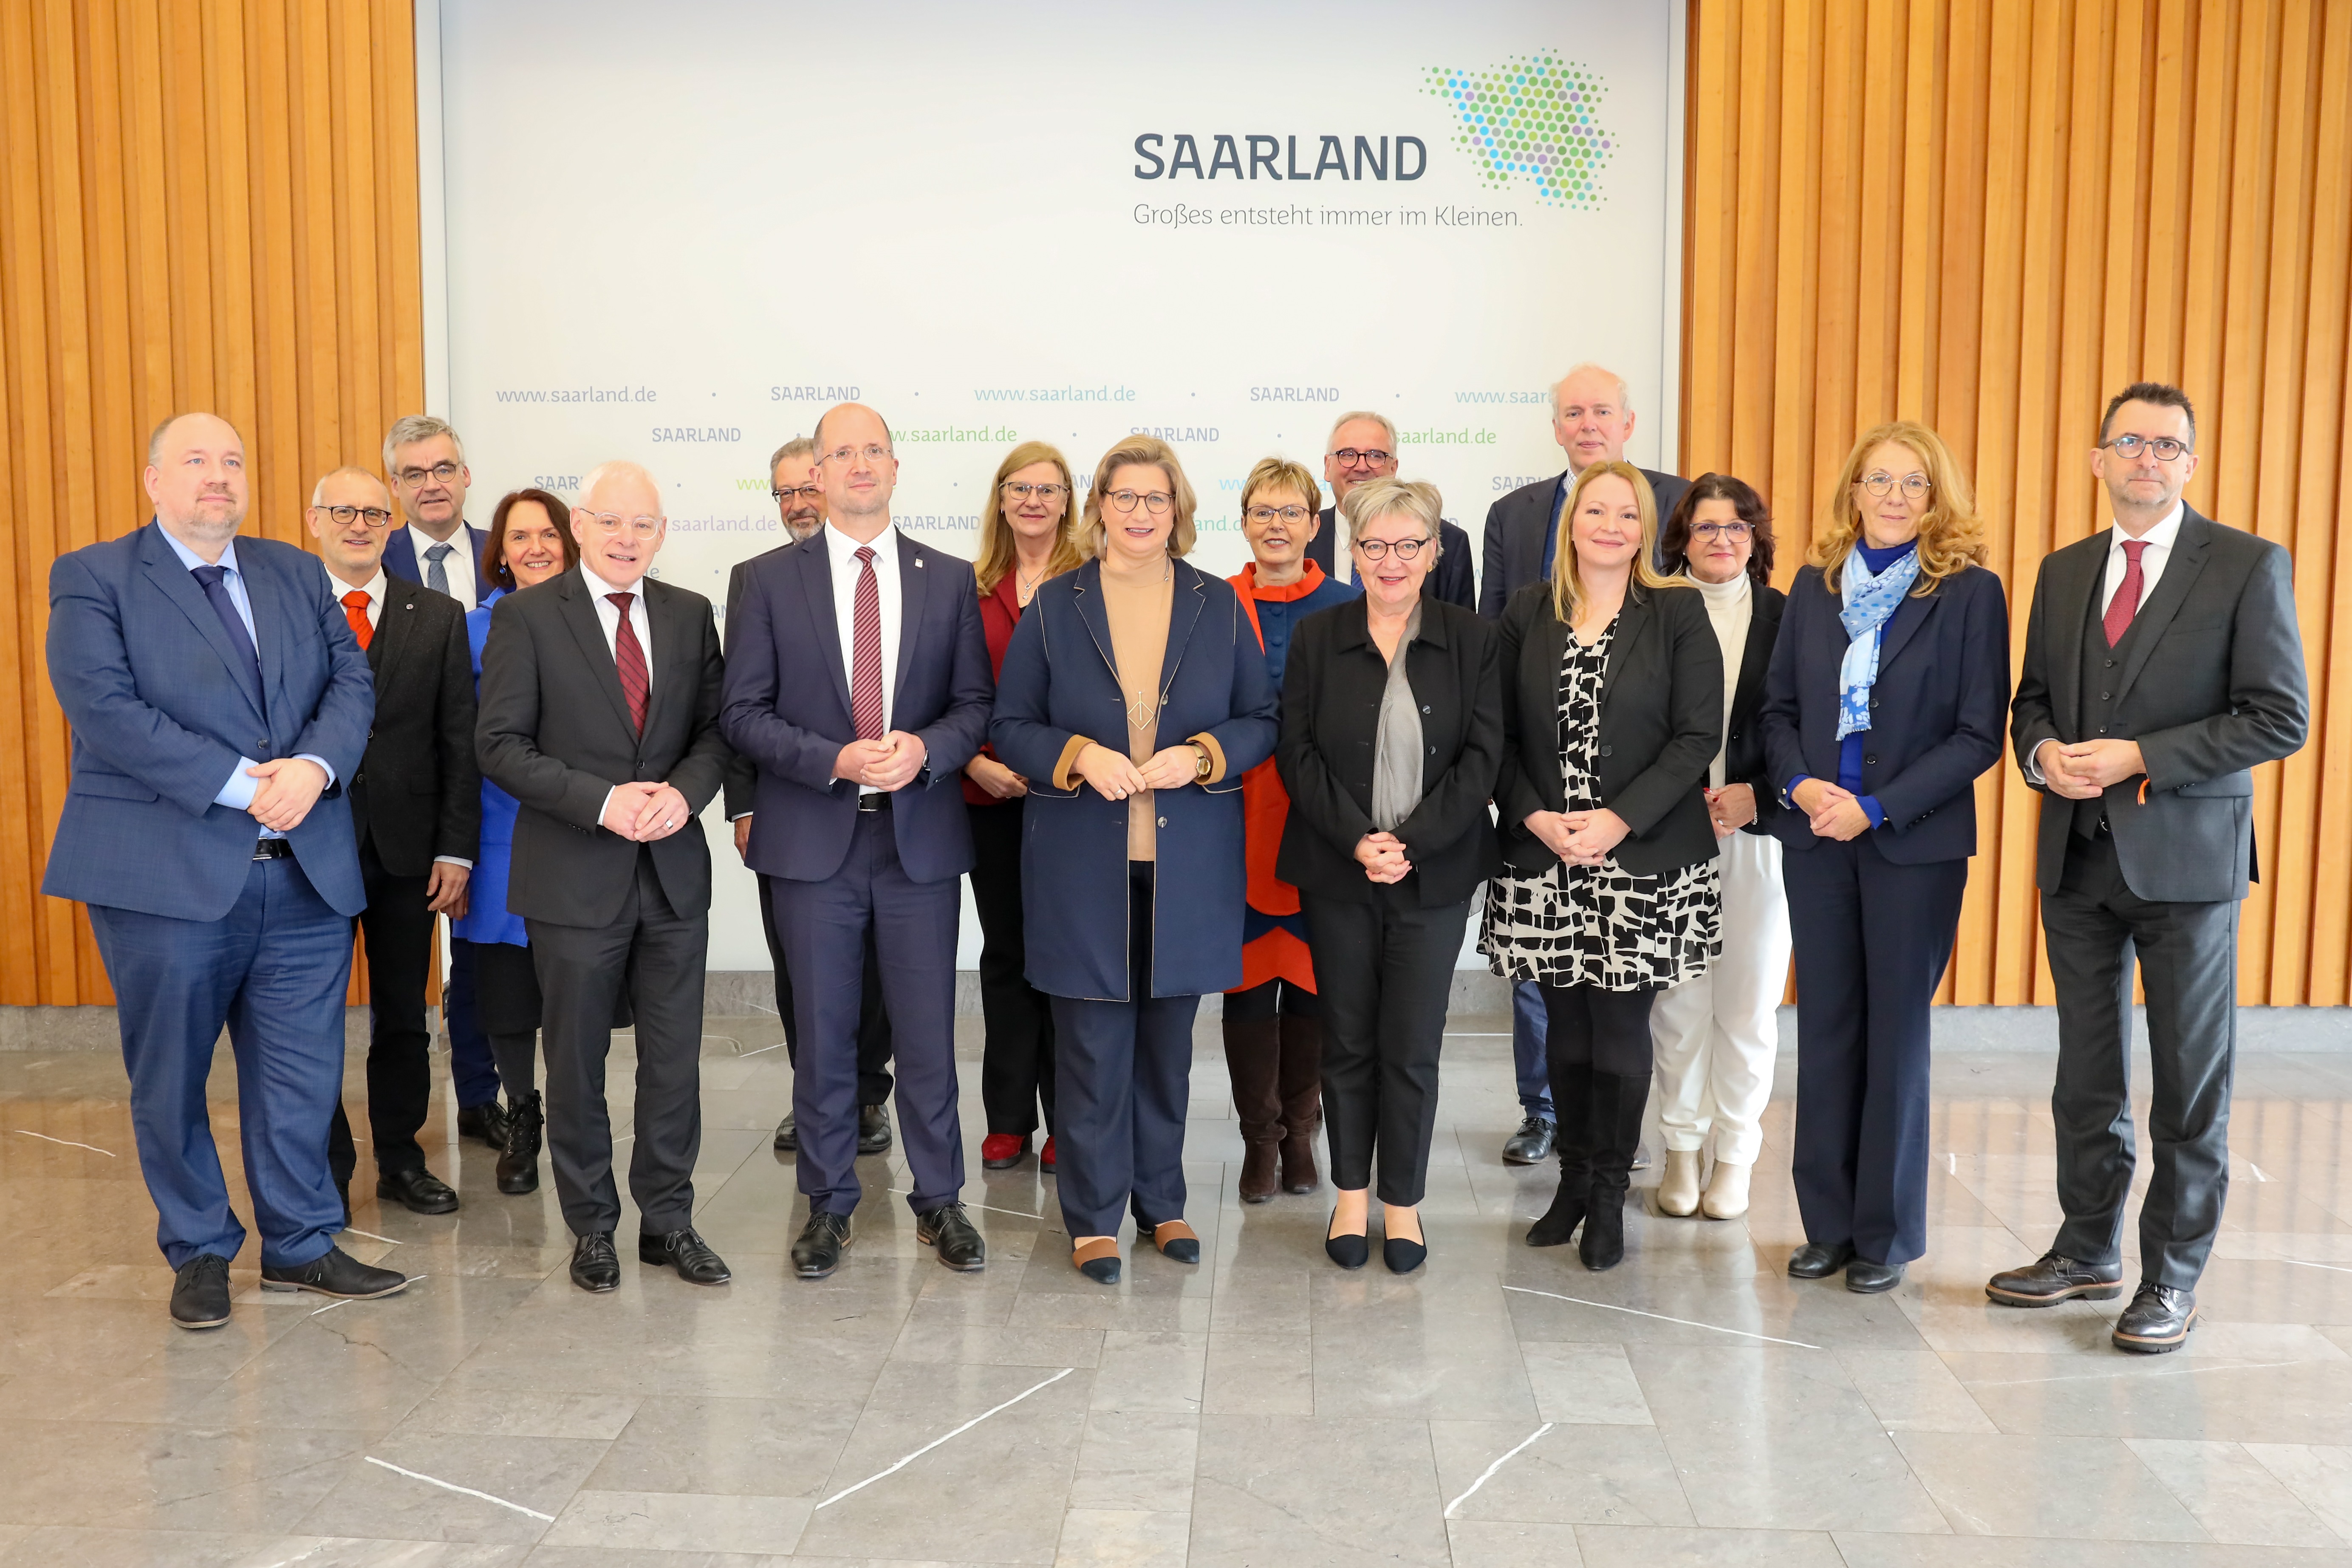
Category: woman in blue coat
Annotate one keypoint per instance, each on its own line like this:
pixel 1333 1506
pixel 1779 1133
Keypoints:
pixel 1886 698
pixel 1133 698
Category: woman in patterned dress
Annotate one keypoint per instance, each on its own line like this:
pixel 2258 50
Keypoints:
pixel 1612 712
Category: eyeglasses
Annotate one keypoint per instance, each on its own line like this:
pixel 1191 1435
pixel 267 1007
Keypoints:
pixel 2165 447
pixel 375 515
pixel 873 452
pixel 1369 457
pixel 1377 549
pixel 1878 481
pixel 804 492
pixel 1021 492
pixel 441 473
pixel 1736 532
pixel 635 527
pixel 1262 515
pixel 1156 502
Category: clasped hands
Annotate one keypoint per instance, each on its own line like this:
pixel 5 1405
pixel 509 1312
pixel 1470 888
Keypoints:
pixel 1116 777
pixel 2084 769
pixel 1731 808
pixel 1382 857
pixel 642 812
pixel 290 787
pixel 1835 813
pixel 888 763
pixel 1579 837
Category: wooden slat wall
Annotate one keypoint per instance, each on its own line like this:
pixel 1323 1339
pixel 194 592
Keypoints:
pixel 1989 215
pixel 203 205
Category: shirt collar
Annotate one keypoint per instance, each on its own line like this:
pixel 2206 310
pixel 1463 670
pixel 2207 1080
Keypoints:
pixel 191 560
pixel 2161 536
pixel 842 549
pixel 598 586
pixel 424 541
pixel 374 587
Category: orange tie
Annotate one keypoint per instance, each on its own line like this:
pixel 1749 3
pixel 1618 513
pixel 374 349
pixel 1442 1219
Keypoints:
pixel 355 604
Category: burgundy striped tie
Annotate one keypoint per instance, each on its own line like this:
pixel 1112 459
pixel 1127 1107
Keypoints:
pixel 2125 603
pixel 866 648
pixel 629 659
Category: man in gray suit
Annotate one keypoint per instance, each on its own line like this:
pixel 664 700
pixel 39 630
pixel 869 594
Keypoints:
pixel 2162 664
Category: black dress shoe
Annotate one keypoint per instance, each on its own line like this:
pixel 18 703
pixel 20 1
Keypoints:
pixel 1820 1260
pixel 686 1251
pixel 1348 1251
pixel 873 1129
pixel 1864 1277
pixel 335 1273
pixel 1531 1144
pixel 788 1136
pixel 519 1161
pixel 595 1266
pixel 2055 1278
pixel 419 1190
pixel 817 1251
pixel 486 1121
pixel 200 1293
pixel 948 1231
pixel 2159 1319
pixel 1402 1257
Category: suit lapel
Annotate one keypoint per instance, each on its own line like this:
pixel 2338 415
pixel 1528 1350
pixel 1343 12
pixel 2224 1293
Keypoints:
pixel 2071 594
pixel 1090 598
pixel 913 584
pixel 665 625
pixel 588 631
pixel 391 634
pixel 815 565
pixel 1191 596
pixel 1905 624
pixel 1634 620
pixel 180 585
pixel 2190 546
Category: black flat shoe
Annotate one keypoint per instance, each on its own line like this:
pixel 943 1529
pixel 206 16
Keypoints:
pixel 2158 1320
pixel 486 1123
pixel 1402 1257
pixel 949 1232
pixel 817 1251
pixel 788 1136
pixel 519 1161
pixel 200 1292
pixel 1348 1251
pixel 686 1251
pixel 2054 1278
pixel 419 1191
pixel 1820 1260
pixel 595 1266
pixel 873 1129
pixel 1531 1144
pixel 1864 1277
pixel 335 1273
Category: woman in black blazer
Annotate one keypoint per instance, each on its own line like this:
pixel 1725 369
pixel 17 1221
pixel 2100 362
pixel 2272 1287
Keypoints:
pixel 1612 708
pixel 1891 678
pixel 1715 1035
pixel 1391 736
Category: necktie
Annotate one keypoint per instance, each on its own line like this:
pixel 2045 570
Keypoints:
pixel 629 659
pixel 2125 603
pixel 436 572
pixel 866 646
pixel 355 604
pixel 216 583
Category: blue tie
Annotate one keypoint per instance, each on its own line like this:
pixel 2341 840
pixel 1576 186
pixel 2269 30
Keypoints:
pixel 215 581
pixel 436 574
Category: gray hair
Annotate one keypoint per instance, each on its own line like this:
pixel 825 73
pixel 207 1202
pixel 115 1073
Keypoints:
pixel 1341 422
pixel 411 428
pixel 617 468
pixel 155 436
pixel 798 447
pixel 1625 397
pixel 1377 498
pixel 318 490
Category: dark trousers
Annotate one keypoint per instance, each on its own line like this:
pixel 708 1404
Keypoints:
pixel 273 971
pixel 873 1017
pixel 1016 1066
pixel 1383 967
pixel 827 927
pixel 2189 961
pixel 657 956
pixel 397 930
pixel 1873 939
pixel 1122 1083
pixel 473 1064
pixel 1607 1031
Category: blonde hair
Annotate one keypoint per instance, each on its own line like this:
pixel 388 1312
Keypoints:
pixel 998 551
pixel 1951 536
pixel 1138 451
pixel 1282 474
pixel 1377 498
pixel 1567 584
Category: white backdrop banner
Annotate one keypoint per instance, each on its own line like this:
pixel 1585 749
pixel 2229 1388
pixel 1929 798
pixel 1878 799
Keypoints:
pixel 677 234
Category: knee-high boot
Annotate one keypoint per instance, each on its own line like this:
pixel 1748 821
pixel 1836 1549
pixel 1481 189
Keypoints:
pixel 1302 1101
pixel 1572 1093
pixel 1617 1105
pixel 1253 1058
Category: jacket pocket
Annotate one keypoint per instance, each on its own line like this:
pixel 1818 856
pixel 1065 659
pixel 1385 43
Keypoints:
pixel 2228 787
pixel 113 787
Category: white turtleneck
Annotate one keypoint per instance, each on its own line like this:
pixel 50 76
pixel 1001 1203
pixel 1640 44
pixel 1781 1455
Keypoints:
pixel 1729 606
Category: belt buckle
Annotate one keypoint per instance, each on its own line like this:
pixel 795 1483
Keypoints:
pixel 873 800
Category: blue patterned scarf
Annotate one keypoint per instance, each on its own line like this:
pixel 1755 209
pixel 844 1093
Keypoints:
pixel 1870 603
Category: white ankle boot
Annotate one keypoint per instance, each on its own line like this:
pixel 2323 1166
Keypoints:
pixel 1678 1189
pixel 1727 1194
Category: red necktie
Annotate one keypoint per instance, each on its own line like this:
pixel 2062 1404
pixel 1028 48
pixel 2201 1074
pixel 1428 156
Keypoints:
pixel 355 604
pixel 629 659
pixel 2125 603
pixel 866 650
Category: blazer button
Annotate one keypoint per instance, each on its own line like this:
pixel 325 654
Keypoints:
pixel 1870 762
pixel 1873 703
pixel 1425 708
pixel 2103 729
pixel 2109 665
pixel 1604 750
pixel 2106 696
pixel 1163 822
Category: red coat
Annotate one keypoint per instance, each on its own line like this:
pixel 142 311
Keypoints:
pixel 1000 612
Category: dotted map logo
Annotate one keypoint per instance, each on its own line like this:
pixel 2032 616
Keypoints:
pixel 1535 118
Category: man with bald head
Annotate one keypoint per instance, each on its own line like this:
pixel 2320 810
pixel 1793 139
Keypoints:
pixel 416 808
pixel 218 704
pixel 600 714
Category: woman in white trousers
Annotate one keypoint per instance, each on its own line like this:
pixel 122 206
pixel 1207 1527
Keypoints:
pixel 1715 1036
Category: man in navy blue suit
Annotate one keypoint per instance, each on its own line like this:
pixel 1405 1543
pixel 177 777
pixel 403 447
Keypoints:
pixel 859 820
pixel 219 701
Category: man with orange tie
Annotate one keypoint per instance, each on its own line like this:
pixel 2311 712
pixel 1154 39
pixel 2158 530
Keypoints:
pixel 416 808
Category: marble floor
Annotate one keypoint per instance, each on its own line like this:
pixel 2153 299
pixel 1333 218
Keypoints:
pixel 1502 1406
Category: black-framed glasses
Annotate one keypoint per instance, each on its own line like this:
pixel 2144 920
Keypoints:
pixel 1023 491
pixel 2165 447
pixel 375 516
pixel 1263 515
pixel 1708 533
pixel 802 492
pixel 1878 481
pixel 1377 549
pixel 440 473
pixel 1366 458
pixel 1156 502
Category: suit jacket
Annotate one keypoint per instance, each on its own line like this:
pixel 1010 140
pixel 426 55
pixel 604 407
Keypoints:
pixel 1743 738
pixel 743 772
pixel 152 686
pixel 1934 712
pixel 1661 726
pixel 787 708
pixel 1516 526
pixel 418 789
pixel 1331 695
pixel 2213 685
pixel 400 558
pixel 1453 579
pixel 554 733
pixel 1060 683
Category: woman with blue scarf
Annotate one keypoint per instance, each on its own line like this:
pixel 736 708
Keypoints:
pixel 1887 697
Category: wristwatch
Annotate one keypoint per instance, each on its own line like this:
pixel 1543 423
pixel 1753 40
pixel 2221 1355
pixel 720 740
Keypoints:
pixel 1206 766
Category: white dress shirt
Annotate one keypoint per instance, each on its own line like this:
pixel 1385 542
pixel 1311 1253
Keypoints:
pixel 841 552
pixel 458 564
pixel 608 615
pixel 375 588
pixel 2159 540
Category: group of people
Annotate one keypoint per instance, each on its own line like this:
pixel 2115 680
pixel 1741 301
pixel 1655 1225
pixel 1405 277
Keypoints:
pixel 1287 786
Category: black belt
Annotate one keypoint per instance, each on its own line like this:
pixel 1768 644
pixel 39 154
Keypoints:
pixel 874 800
pixel 273 849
